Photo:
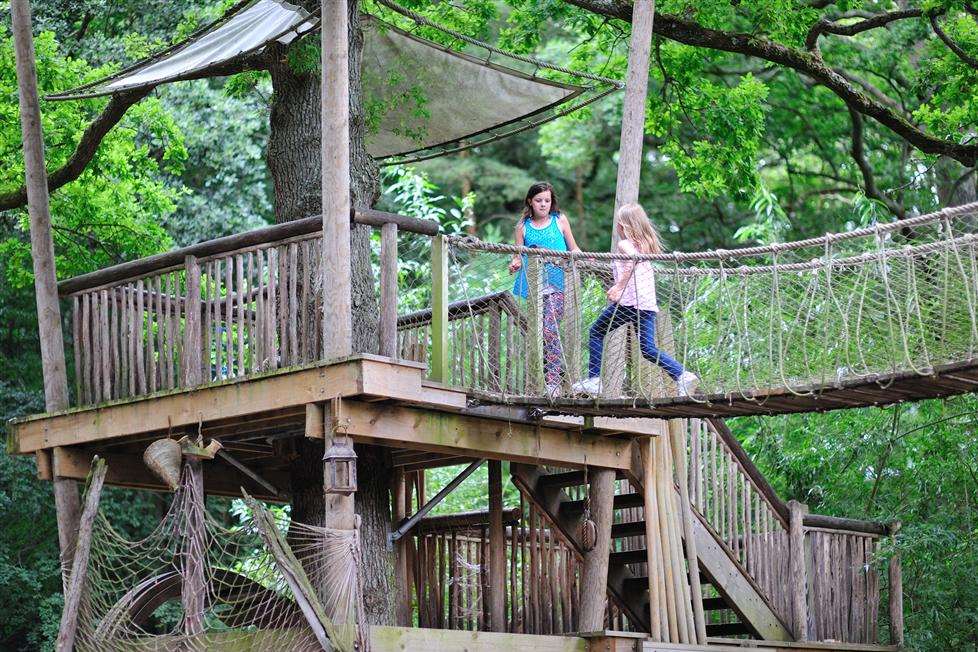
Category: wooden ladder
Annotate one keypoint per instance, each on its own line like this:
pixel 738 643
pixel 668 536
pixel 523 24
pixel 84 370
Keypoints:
pixel 554 494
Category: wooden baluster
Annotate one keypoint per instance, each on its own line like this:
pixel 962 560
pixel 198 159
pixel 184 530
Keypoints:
pixel 240 290
pixel 439 310
pixel 208 327
pixel 144 334
pixel 303 316
pixel 271 321
pixel 228 318
pixel 254 311
pixel 295 351
pixel 191 361
pixel 76 346
pixel 388 290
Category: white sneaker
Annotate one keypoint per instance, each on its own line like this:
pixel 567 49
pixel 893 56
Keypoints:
pixel 686 383
pixel 587 386
pixel 553 392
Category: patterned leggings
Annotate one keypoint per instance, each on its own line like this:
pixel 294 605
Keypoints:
pixel 553 312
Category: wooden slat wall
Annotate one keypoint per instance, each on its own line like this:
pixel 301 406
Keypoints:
pixel 844 592
pixel 542 579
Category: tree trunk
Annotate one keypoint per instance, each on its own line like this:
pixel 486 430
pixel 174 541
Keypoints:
pixel 294 163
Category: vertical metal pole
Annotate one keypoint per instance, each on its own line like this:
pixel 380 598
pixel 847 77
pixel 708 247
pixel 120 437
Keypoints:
pixel 66 499
pixel 336 277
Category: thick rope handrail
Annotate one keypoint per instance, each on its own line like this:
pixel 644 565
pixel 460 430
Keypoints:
pixel 474 243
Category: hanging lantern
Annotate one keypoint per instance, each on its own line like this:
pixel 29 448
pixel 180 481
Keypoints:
pixel 340 467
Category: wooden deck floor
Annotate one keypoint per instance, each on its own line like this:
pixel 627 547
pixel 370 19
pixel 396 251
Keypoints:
pixel 946 380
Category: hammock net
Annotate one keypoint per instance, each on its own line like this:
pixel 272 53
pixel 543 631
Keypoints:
pixel 195 584
pixel 422 99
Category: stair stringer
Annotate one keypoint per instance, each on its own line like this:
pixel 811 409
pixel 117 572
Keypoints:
pixel 549 500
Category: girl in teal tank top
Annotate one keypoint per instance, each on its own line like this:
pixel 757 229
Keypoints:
pixel 543 225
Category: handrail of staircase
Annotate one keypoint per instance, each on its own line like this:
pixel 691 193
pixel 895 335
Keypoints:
pixel 810 520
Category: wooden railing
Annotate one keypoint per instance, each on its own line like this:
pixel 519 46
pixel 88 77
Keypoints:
pixel 450 580
pixel 218 310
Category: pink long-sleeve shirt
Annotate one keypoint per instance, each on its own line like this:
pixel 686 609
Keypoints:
pixel 639 289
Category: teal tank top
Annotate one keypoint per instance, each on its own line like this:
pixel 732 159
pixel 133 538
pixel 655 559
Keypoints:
pixel 549 237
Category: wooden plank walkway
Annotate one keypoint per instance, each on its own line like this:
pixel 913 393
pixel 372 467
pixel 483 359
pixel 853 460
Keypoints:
pixel 946 380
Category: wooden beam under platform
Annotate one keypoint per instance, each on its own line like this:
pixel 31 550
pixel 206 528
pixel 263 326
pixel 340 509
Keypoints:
pixel 445 432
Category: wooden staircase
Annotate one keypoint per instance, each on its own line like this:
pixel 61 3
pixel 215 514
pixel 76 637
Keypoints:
pixel 734 592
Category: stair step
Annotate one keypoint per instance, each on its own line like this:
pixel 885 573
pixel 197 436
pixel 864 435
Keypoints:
pixel 638 584
pixel 627 529
pixel 714 604
pixel 726 629
pixel 628 557
pixel 622 501
pixel 566 479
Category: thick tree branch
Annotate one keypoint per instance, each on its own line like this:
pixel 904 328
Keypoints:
pixel 859 156
pixel 84 151
pixel 951 45
pixel 828 26
pixel 809 64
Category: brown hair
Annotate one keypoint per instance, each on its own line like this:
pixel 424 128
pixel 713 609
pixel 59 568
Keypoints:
pixel 536 189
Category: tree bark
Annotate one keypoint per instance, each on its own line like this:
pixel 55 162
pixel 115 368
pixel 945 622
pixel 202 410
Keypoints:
pixel 295 165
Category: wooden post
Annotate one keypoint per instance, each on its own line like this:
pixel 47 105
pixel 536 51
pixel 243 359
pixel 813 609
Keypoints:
pixel 340 513
pixel 896 592
pixel 633 109
pixel 439 309
pixel 79 564
pixel 388 290
pixel 594 576
pixel 192 568
pixel 400 512
pixel 42 253
pixel 797 568
pixel 335 269
pixel 678 440
pixel 652 547
pixel 192 346
pixel 497 548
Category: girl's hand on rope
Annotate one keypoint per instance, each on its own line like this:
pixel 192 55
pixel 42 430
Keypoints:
pixel 614 293
pixel 515 264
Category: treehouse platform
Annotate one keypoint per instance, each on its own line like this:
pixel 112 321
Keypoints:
pixel 222 342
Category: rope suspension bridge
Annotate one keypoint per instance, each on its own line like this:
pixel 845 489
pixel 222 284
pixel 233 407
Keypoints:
pixel 878 315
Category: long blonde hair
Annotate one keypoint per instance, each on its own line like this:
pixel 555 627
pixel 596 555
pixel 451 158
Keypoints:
pixel 635 224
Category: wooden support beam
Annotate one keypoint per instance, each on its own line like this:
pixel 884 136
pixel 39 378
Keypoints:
pixel 594 576
pixel 337 325
pixel 192 360
pixel 497 549
pixel 633 109
pixel 66 499
pixel 400 508
pixel 439 310
pixel 388 290
pixel 896 593
pixel 79 563
pixel 339 508
pixel 797 568
pixel 129 471
pixel 445 432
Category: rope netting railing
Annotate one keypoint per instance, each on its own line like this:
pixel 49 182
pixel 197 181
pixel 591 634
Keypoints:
pixel 862 306
pixel 196 584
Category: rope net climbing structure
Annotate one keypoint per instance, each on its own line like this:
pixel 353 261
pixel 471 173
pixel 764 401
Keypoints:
pixel 196 584
pixel 799 317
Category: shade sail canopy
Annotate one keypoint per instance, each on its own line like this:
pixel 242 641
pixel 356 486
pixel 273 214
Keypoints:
pixel 422 99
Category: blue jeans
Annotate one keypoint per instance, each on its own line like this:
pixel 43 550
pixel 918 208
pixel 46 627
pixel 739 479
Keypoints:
pixel 614 317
